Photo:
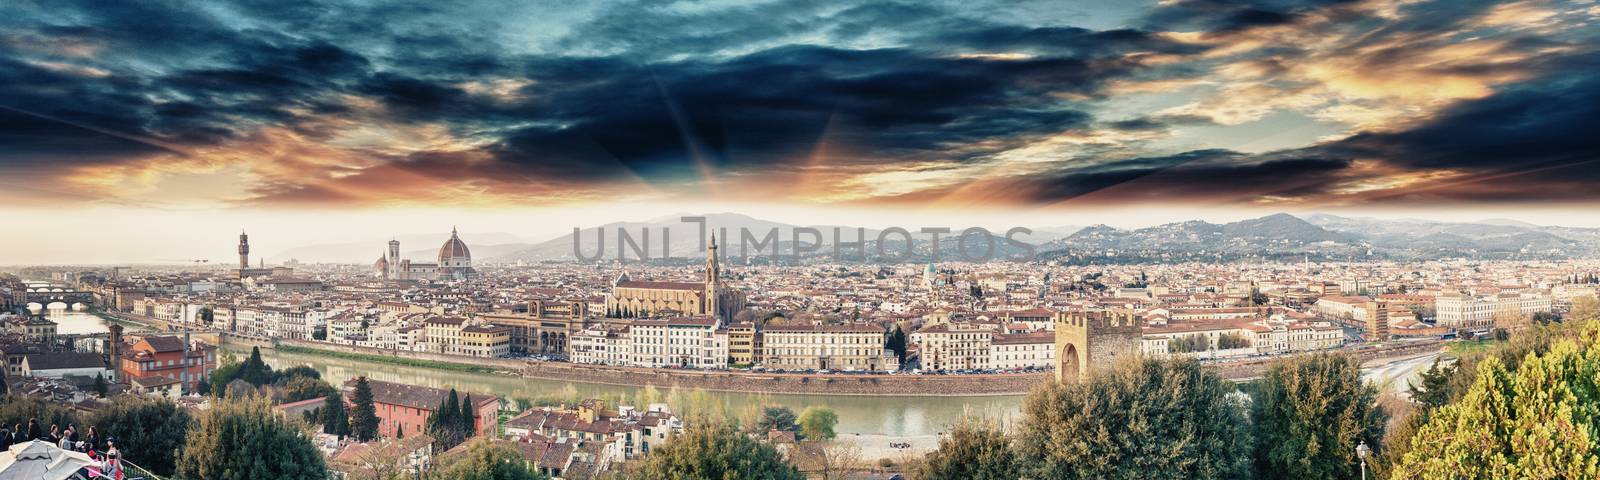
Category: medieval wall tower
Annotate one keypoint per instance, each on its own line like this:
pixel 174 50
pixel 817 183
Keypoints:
pixel 1094 339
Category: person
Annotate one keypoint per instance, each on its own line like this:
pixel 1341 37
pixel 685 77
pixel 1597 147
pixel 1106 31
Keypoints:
pixel 72 433
pixel 55 434
pixel 5 437
pixel 18 435
pixel 113 465
pixel 92 439
pixel 34 432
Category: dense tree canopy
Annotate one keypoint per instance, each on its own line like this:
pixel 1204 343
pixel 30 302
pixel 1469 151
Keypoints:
pixel 1309 413
pixel 778 418
pixel 1139 419
pixel 1535 421
pixel 148 432
pixel 713 452
pixel 974 450
pixel 240 439
pixel 816 423
pixel 483 459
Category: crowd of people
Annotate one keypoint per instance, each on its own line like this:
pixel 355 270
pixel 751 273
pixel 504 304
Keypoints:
pixel 101 450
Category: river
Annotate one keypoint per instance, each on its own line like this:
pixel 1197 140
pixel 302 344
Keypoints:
pixel 891 416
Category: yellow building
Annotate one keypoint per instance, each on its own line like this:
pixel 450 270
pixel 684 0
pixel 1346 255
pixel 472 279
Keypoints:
pixel 488 341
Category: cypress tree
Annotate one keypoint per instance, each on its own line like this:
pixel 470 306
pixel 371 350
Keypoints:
pixel 364 415
pixel 334 419
pixel 469 418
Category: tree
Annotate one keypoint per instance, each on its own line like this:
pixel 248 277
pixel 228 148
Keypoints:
pixel 897 343
pixel 363 414
pixel 1434 391
pixel 239 439
pixel 485 459
pixel 254 370
pixel 816 423
pixel 102 388
pixel 468 421
pixel 299 371
pixel 223 375
pixel 1534 421
pixel 974 449
pixel 778 418
pixel 1584 309
pixel 1546 317
pixel 19 409
pixel 714 452
pixel 1309 413
pixel 306 388
pixel 445 424
pixel 334 419
pixel 831 460
pixel 148 431
pixel 1142 418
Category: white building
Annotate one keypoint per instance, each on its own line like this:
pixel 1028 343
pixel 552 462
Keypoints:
pixel 680 341
pixel 1477 313
pixel 1022 350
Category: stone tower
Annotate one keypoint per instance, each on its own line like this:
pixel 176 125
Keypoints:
pixel 244 251
pixel 1094 339
pixel 713 279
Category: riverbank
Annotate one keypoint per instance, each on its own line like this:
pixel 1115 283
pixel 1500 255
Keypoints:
pixel 708 380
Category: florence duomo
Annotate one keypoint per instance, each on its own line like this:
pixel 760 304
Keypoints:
pixel 454 264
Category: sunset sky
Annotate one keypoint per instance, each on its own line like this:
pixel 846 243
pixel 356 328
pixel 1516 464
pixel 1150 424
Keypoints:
pixel 134 131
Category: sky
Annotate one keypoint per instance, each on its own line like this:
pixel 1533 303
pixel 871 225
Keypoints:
pixel 136 131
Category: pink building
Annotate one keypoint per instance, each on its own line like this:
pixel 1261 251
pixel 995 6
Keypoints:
pixel 408 407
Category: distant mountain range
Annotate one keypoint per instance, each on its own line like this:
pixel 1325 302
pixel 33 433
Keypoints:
pixel 1323 237
pixel 1281 237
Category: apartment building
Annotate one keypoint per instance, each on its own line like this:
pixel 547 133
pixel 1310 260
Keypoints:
pixel 1466 312
pixel 848 347
pixel 955 346
pixel 689 342
pixel 1023 350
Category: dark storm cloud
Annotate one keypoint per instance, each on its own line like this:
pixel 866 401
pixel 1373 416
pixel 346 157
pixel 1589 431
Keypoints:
pixel 770 109
pixel 575 95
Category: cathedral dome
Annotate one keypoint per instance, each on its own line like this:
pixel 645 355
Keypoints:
pixel 453 249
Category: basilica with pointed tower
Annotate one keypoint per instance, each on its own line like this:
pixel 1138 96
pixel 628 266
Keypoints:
pixel 709 297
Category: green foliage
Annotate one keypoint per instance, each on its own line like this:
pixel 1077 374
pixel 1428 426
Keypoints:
pixel 778 418
pixel 254 370
pixel 469 416
pixel 1546 317
pixel 897 343
pixel 100 386
pixel 1434 391
pixel 222 376
pixel 18 409
pixel 1188 343
pixel 1143 418
pixel 974 450
pixel 334 419
pixel 1537 420
pixel 1309 413
pixel 148 432
pixel 306 388
pixel 363 414
pixel 1232 340
pixel 485 460
pixel 239 439
pixel 816 423
pixel 714 452
pixel 448 425
pixel 298 371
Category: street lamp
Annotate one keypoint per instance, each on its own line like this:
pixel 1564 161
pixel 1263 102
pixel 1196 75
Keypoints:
pixel 1361 453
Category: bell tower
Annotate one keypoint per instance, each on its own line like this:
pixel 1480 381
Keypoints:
pixel 244 250
pixel 713 279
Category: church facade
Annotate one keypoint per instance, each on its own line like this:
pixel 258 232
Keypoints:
pixel 454 263
pixel 644 299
